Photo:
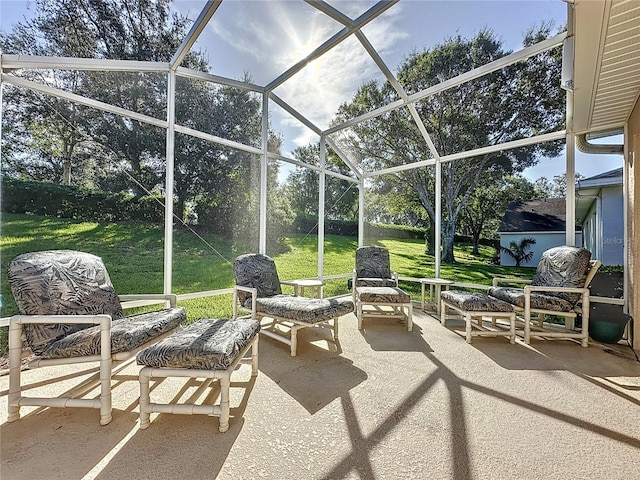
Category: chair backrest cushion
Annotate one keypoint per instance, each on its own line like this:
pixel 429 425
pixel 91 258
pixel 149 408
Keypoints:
pixel 373 262
pixel 563 267
pixel 257 271
pixel 60 282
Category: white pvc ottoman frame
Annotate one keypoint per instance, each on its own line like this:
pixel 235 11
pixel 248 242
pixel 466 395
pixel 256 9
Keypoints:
pixel 221 410
pixel 469 315
pixel 375 312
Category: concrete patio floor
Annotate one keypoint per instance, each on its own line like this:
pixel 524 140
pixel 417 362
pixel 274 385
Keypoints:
pixel 383 404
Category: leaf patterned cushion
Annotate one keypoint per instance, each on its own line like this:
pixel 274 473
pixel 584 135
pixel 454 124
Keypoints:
pixel 256 271
pixel 60 282
pixel 376 282
pixel 475 302
pixel 207 344
pixel 563 266
pixel 127 334
pixel 515 296
pixel 382 295
pixel 302 309
pixel 373 262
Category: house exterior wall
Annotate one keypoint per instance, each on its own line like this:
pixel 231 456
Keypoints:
pixel 603 226
pixel 544 241
pixel 612 207
pixel 632 143
pixel 591 231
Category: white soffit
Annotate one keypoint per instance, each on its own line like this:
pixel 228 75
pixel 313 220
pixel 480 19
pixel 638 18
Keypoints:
pixel 607 63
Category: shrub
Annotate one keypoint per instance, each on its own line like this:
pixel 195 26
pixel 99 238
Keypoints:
pixel 50 199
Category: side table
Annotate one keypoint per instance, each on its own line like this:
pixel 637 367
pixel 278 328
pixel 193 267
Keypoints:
pixel 436 283
pixel 314 286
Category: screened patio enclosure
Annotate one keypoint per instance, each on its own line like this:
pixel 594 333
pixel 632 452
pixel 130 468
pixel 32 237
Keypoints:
pixel 334 138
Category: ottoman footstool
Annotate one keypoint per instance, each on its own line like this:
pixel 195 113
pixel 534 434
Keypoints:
pixel 208 348
pixel 478 305
pixel 377 297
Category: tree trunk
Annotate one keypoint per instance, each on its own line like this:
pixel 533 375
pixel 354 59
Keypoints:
pixel 66 173
pixel 448 234
pixel 180 208
pixel 476 243
pixel 429 242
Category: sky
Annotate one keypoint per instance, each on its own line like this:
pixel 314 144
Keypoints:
pixel 264 38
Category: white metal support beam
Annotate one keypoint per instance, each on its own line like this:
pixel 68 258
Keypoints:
pixel 315 168
pixel 56 92
pixel 373 53
pixel 1 111
pixel 414 114
pixel 216 139
pixel 361 214
pixel 305 121
pixel 570 149
pixel 168 187
pixel 208 77
pixel 457 80
pixel 357 171
pixel 321 204
pixel 343 34
pixel 546 137
pixel 264 165
pixel 294 113
pixel 438 220
pixel 34 62
pixel 195 31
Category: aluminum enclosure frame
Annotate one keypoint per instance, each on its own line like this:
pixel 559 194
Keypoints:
pixel 352 27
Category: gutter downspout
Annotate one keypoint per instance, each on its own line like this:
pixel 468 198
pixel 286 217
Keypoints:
pixel 609 149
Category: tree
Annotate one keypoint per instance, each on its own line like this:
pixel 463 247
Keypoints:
pixel 110 29
pixel 516 102
pixel 554 188
pixel 208 177
pixel 518 250
pixel 302 186
pixel 483 211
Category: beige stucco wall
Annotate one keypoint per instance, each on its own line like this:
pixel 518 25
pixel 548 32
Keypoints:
pixel 632 141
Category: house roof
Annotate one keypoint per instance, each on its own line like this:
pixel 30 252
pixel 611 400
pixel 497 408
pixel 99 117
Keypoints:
pixel 612 177
pixel 588 189
pixel 543 215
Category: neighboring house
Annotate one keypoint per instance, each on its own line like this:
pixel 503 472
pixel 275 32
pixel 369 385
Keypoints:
pixel 542 220
pixel 600 210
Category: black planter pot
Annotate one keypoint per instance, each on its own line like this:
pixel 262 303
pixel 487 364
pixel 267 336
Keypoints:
pixel 607 322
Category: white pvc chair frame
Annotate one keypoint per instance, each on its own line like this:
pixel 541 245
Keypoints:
pixel 106 359
pixel 539 330
pixel 270 329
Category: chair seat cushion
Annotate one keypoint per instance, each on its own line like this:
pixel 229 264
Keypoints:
pixel 208 344
pixel 515 296
pixel 475 302
pixel 302 309
pixel 376 282
pixel 382 295
pixel 127 334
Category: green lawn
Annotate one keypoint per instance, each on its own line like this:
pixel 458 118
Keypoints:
pixel 133 255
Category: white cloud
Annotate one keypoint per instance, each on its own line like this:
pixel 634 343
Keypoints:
pixel 321 87
pixel 266 38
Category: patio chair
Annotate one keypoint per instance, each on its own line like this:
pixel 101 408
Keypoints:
pixel 258 290
pixel 559 287
pixel 375 285
pixel 69 314
pixel 373 269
